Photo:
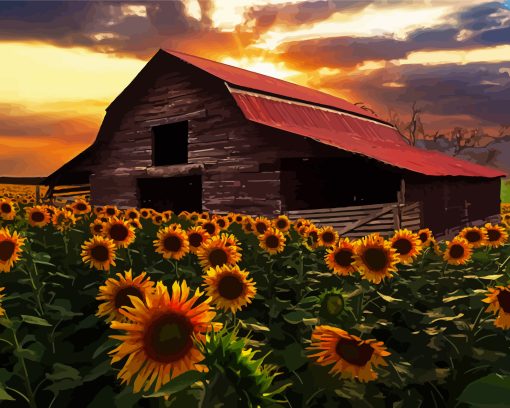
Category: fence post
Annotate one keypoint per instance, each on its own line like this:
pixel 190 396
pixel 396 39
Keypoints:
pixel 37 194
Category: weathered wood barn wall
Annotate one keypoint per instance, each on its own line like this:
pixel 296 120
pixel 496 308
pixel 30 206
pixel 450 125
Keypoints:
pixel 235 164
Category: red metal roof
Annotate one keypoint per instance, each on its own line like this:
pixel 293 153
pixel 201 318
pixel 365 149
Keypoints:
pixel 264 83
pixel 356 130
pixel 354 134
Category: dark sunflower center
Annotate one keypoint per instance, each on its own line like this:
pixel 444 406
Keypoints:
pixel 168 338
pixel 144 213
pixel 81 207
pixel 110 211
pixel 6 208
pixel 218 257
pixel 354 353
pixel 456 251
pixel 328 237
pixel 100 253
pixel 423 237
pixel 122 296
pixel 172 243
pixel 239 218
pixel 37 216
pixel 6 250
pixel 133 215
pixel 403 246
pixel 195 240
pixel 230 287
pixel 335 305
pixel 272 241
pixel 473 236
pixel 119 232
pixel 375 258
pixel 314 236
pixel 493 234
pixel 281 223
pixel 158 218
pixel 504 300
pixel 261 227
pixel 98 228
pixel 221 223
pixel 344 258
pixel 209 227
pixel 249 226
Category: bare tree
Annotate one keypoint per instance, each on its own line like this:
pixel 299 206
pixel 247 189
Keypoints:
pixel 503 130
pixel 408 130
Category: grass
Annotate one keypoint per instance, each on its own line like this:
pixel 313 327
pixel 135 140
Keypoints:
pixel 505 191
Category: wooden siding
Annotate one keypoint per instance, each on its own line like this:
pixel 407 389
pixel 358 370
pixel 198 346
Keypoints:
pixel 358 221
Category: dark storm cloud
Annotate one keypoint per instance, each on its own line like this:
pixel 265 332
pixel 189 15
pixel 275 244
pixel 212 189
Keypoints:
pixel 481 90
pixel 261 18
pixel 493 28
pixel 103 26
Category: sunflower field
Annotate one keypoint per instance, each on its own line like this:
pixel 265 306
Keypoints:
pixel 108 307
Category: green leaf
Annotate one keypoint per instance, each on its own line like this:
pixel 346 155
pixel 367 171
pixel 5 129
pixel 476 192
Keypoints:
pixel 8 324
pixel 294 356
pixel 35 320
pixel 447 318
pixel 4 396
pixel 492 391
pixel 296 316
pixel 388 298
pixel 179 383
pixel 62 371
pixel 452 298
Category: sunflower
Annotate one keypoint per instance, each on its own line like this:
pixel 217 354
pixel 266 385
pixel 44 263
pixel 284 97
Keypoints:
pixel 221 221
pixel 333 304
pixel 135 224
pixel 474 236
pixel 99 252
pixel 98 210
pixel 248 225
pixel 196 236
pixel 202 216
pixel 37 216
pixel 131 214
pixel 172 242
pixel 230 217
pixel 300 223
pixel 7 209
pixel 426 237
pixel 229 287
pixel 120 232
pixel 145 213
pixel 159 339
pixel 340 258
pixel 272 241
pixel 311 237
pixel 63 220
pixel 407 244
pixel 215 252
pixel 115 294
pixel 457 252
pixel 374 258
pixel 167 215
pixel 80 206
pixel 97 227
pixel 496 235
pixel 231 240
pixel 499 303
pixel 281 222
pixel 328 237
pixel 10 249
pixel 351 357
pixel 239 218
pixel 157 218
pixel 211 226
pixel 111 211
pixel 261 224
pixel 193 216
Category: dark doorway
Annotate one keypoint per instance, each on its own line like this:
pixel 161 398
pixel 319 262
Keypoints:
pixel 170 144
pixel 171 193
pixel 336 182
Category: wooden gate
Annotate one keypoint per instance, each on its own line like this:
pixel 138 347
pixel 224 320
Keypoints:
pixel 358 221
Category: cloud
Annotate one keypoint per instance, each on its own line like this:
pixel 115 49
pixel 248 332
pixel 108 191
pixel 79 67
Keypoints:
pixel 481 91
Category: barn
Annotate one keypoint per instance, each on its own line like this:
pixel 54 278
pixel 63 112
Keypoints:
pixel 192 134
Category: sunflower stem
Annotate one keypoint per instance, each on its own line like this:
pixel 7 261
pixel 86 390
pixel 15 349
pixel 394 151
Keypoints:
pixel 176 269
pixel 501 266
pixel 30 395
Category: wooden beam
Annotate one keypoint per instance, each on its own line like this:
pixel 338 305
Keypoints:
pixel 174 119
pixel 175 170
pixel 367 219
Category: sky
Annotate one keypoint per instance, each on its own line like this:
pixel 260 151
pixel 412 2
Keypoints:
pixel 64 62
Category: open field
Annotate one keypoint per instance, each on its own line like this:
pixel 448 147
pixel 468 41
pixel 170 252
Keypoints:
pixel 246 312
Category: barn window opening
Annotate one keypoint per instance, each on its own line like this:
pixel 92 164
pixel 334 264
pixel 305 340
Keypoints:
pixel 170 144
